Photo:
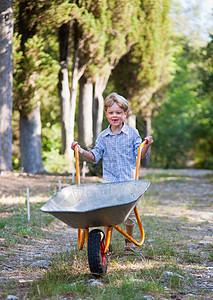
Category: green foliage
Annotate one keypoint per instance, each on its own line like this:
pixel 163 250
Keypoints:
pixel 203 132
pixel 54 162
pixel 35 74
pixel 106 31
pixel 51 137
pixel 35 79
pixel 183 127
pixel 52 158
pixel 149 58
pixel 172 126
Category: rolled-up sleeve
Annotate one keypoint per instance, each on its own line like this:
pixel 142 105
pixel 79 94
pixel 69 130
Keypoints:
pixel 98 150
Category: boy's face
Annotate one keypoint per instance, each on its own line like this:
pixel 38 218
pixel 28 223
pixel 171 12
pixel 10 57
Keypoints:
pixel 115 115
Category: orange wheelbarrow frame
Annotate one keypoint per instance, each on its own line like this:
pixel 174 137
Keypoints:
pixel 83 234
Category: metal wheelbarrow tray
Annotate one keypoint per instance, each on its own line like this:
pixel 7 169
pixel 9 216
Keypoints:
pixel 93 205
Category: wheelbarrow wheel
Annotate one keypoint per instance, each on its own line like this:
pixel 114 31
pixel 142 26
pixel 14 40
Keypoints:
pixel 96 257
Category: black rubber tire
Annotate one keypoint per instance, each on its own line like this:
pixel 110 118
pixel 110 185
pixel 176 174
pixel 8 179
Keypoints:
pixel 96 257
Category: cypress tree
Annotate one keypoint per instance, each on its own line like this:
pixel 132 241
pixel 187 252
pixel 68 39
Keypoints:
pixel 108 30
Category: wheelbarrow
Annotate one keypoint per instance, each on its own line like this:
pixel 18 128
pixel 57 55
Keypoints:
pixel 85 206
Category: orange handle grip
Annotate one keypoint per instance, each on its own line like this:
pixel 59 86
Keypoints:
pixel 77 167
pixel 139 159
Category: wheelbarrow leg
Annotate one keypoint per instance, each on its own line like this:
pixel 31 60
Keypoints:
pixel 108 238
pixel 82 237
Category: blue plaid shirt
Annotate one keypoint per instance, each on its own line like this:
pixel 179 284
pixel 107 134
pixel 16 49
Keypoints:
pixel 119 153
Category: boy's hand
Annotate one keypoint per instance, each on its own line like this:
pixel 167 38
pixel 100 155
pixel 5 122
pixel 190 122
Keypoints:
pixel 73 145
pixel 149 139
pixel 146 147
pixel 80 150
pixel 86 154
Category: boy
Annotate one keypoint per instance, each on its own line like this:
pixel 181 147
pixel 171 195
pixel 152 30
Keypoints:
pixel 118 146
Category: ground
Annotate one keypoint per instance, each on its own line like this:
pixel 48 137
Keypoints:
pixel 13 188
pixel 190 200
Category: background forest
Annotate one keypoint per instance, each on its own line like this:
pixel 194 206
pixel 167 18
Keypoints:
pixel 68 55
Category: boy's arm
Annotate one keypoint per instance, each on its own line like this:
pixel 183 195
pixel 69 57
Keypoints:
pixel 146 147
pixel 88 155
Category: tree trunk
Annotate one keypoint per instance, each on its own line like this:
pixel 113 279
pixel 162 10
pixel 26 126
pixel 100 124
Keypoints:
pixel 64 91
pixel 85 135
pixel 77 72
pixel 30 123
pixel 30 141
pixel 64 95
pixel 97 110
pixel 148 132
pixel 98 103
pixel 73 97
pixel 68 95
pixel 6 96
pixel 131 120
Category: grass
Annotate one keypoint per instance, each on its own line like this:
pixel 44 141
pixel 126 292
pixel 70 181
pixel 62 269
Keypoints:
pixel 158 269
pixel 129 279
pixel 168 177
pixel 209 177
pixel 14 224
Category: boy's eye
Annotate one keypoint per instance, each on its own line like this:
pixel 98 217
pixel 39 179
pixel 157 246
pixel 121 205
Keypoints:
pixel 117 113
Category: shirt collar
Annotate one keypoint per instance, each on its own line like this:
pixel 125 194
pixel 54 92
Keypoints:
pixel 124 129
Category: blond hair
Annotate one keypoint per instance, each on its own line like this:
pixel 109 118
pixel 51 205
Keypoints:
pixel 118 99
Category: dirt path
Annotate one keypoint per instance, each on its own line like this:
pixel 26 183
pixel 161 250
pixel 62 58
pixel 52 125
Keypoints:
pixel 190 200
pixel 189 204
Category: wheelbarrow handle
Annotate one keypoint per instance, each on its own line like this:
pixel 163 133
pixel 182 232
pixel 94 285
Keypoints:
pixel 84 236
pixel 139 159
pixel 135 208
pixel 77 164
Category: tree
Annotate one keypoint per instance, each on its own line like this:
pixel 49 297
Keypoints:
pixel 120 25
pixel 27 100
pixel 96 36
pixel 39 21
pixel 202 133
pixel 6 34
pixel 69 42
pixel 183 126
pixel 148 61
pixel 32 75
pixel 64 88
pixel 85 135
pixel 108 30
